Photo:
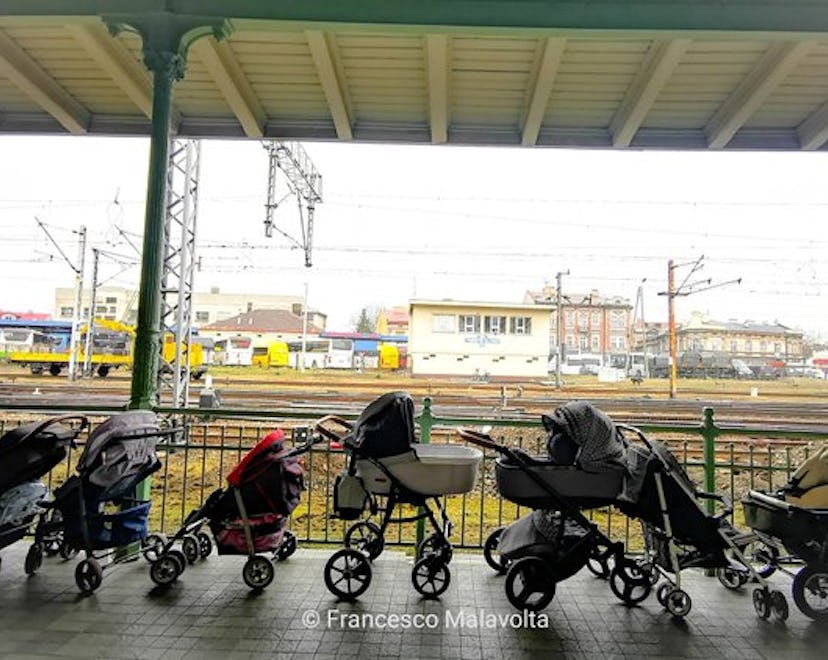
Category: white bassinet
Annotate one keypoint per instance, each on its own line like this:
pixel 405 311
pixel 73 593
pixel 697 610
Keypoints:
pixel 428 470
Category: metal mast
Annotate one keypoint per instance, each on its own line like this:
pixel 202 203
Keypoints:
pixel 303 180
pixel 178 270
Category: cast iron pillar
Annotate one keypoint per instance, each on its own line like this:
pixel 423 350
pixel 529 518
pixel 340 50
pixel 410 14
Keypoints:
pixel 166 38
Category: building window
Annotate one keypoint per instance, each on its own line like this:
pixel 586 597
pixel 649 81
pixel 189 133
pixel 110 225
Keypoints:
pixel 570 342
pixel 748 346
pixel 100 309
pixel 618 319
pixel 619 341
pixel 202 317
pixel 583 342
pixel 442 323
pixel 250 307
pixel 111 300
pixel 521 325
pixel 113 309
pixel 495 325
pixel 468 323
pixel 596 343
pixel 570 318
pixel 777 348
pixel 596 319
pixel 763 347
pixel 583 319
pixel 66 312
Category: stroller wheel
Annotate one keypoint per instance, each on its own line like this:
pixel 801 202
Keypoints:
pixel 629 583
pixel 730 577
pixel 661 593
pixel 166 569
pixel 348 574
pixel 431 576
pixel 153 546
pixel 649 570
pixel 67 550
pixel 88 575
pixel 528 585
pixel 779 605
pixel 287 547
pixel 365 536
pixel 433 545
pixel 190 548
pixel 205 544
pixel 258 572
pixel 34 559
pixel 810 591
pixel 761 602
pixel 678 602
pixel 491 554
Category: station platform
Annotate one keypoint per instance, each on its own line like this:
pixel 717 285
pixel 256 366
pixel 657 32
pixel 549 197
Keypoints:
pixel 209 614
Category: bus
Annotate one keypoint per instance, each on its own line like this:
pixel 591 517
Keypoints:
pixel 323 353
pixel 581 363
pixel 233 351
pixel 25 340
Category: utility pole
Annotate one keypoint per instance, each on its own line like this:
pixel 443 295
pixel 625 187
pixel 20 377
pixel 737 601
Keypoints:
pixel 74 339
pixel 684 289
pixel 559 337
pixel 90 323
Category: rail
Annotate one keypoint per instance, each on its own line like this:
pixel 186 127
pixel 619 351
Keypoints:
pixel 724 458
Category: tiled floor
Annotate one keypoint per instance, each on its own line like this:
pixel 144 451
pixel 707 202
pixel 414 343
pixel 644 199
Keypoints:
pixel 210 613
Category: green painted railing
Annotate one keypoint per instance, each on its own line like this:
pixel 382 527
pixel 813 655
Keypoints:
pixel 724 459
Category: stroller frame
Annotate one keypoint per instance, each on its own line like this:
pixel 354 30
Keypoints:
pixel 169 562
pixel 365 539
pixel 664 560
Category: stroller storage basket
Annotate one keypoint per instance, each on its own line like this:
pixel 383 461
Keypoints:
pixel 108 530
pixel 427 470
pixel 266 531
pixel 583 489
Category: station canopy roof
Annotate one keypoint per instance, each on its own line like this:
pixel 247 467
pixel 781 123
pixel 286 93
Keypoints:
pixel 691 74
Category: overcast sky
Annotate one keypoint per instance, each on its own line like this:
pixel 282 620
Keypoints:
pixel 398 222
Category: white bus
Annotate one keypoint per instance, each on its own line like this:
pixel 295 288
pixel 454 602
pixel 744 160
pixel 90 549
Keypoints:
pixel 323 353
pixel 581 363
pixel 233 351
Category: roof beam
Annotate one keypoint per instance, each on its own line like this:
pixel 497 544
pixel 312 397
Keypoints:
pixel 774 66
pixel 656 69
pixel 437 70
pixel 117 61
pixel 44 90
pixel 553 48
pixel 323 57
pixel 223 67
pixel 813 132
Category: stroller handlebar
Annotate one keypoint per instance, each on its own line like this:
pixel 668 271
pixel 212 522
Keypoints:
pixel 479 438
pixel 333 435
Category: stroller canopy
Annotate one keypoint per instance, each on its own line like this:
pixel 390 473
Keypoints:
pixel 386 426
pixel 598 445
pixel 120 447
pixel 29 451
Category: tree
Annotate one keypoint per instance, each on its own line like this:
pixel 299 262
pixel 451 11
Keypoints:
pixel 366 321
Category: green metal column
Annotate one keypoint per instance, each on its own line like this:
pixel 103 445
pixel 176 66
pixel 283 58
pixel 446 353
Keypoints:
pixel 709 433
pixel 426 422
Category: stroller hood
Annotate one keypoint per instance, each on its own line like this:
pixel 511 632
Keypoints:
pixel 123 446
pixel 30 451
pixel 600 447
pixel 386 426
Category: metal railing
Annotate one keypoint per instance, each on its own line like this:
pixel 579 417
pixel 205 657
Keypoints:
pixel 731 460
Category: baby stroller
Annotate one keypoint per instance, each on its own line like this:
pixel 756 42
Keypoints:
pixel 680 534
pixel 796 519
pixel 28 453
pixel 582 470
pixel 98 512
pixel 384 460
pixel 246 518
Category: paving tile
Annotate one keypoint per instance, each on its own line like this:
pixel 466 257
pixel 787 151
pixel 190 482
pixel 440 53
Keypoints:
pixel 209 613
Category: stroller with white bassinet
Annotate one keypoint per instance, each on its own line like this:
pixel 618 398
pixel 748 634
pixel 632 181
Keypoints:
pixel 386 463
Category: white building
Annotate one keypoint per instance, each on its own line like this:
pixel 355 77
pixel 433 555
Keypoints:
pixel 450 337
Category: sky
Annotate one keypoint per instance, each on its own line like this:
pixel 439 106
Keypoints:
pixel 398 222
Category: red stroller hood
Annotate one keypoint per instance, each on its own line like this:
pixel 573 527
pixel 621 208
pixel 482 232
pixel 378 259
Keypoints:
pixel 265 444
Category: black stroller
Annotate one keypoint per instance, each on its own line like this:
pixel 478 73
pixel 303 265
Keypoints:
pixel 556 540
pixel 99 514
pixel 248 517
pixel 28 453
pixel 384 460
pixel 796 519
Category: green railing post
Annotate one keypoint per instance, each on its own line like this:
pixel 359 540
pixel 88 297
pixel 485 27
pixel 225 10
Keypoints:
pixel 426 422
pixel 709 433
